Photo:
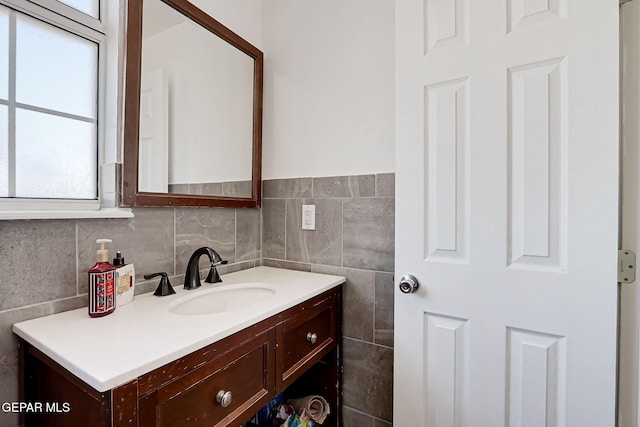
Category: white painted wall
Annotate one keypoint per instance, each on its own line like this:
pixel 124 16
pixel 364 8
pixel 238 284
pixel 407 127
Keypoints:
pixel 329 88
pixel 630 226
pixel 243 17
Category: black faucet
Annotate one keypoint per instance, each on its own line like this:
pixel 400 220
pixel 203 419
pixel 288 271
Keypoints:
pixel 192 275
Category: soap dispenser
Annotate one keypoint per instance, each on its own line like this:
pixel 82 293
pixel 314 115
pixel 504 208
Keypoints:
pixel 102 296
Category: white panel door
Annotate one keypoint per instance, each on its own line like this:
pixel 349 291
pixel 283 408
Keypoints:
pixel 506 212
pixel 153 155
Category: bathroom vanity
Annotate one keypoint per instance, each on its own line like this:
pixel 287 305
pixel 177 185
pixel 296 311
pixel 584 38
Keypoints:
pixel 166 361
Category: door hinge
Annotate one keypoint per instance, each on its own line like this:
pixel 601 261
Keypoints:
pixel 626 266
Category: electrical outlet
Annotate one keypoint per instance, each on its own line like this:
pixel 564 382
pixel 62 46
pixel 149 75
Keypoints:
pixel 308 217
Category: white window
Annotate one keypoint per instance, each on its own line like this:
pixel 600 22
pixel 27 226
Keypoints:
pixel 52 103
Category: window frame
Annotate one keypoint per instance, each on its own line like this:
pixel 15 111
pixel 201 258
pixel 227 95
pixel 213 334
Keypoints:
pixel 105 32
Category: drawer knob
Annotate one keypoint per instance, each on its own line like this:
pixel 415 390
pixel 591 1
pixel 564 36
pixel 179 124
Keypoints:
pixel 224 398
pixel 312 337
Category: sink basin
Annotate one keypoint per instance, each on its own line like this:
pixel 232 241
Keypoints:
pixel 225 299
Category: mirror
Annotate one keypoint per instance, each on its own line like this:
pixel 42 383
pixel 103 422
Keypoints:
pixel 193 110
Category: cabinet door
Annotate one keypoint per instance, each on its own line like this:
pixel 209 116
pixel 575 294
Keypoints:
pixel 227 390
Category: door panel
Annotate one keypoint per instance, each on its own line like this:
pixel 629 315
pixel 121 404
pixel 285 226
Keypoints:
pixel 506 212
pixel 537 378
pixel 446 354
pixel 153 169
pixel 537 164
pixel 447 151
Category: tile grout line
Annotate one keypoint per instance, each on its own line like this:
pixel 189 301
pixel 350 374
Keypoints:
pixel 342 234
pixel 373 418
pixel 367 342
pixel 333 266
pixel 375 299
pixel 375 185
pixel 77 269
pixel 44 303
pixel 303 201
pixel 375 294
pixel 262 210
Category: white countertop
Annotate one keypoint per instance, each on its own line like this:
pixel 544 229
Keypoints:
pixel 109 351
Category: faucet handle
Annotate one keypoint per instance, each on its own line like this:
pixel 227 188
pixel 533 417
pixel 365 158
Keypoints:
pixel 164 287
pixel 213 276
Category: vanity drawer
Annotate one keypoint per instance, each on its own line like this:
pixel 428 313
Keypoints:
pixel 192 399
pixel 305 339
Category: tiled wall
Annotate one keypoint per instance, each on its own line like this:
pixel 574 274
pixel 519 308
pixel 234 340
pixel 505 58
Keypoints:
pixel 228 188
pixel 43 267
pixel 43 264
pixel 354 237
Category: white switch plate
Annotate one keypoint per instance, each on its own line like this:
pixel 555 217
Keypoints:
pixel 308 217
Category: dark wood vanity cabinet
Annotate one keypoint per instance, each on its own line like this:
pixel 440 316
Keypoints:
pixel 296 352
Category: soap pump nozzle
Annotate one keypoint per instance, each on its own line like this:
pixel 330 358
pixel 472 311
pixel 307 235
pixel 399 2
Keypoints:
pixel 118 261
pixel 103 253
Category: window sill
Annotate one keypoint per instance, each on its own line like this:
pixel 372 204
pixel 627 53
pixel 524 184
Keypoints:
pixel 70 214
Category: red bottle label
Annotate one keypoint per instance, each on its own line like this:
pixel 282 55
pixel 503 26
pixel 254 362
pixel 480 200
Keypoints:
pixel 102 297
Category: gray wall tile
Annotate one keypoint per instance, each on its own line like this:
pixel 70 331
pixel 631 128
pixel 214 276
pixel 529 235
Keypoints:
pixel 195 188
pixel 357 314
pixel 344 186
pixel 289 265
pixel 204 227
pixel 9 389
pixel 353 418
pixel 37 261
pixel 148 240
pixel 386 185
pixel 179 188
pixel 273 228
pixel 368 378
pixel 383 326
pixel 248 234
pixel 319 246
pixel 144 286
pixel 287 188
pixel 368 294
pixel 145 240
pixel 232 268
pixel 237 188
pixel 211 189
pixel 369 233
